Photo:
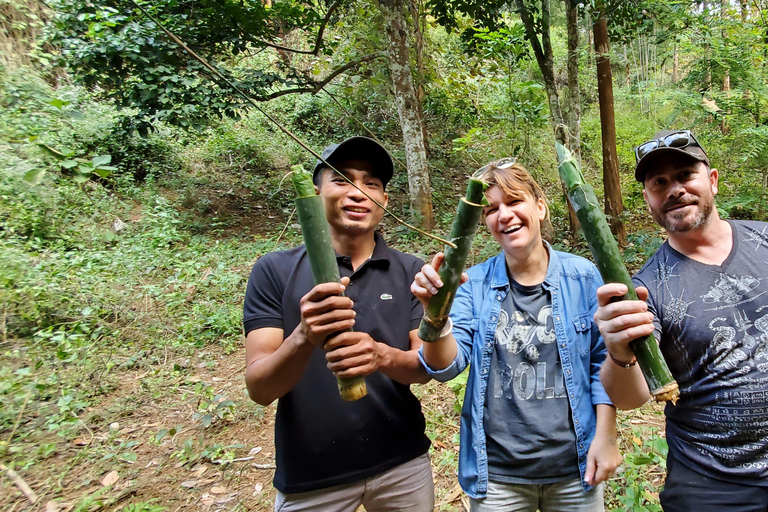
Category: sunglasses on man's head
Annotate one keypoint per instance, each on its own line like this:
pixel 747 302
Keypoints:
pixel 678 140
pixel 504 163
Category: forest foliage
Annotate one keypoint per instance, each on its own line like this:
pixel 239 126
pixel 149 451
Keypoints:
pixel 137 189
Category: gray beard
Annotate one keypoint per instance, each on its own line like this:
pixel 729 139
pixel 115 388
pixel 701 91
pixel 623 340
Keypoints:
pixel 674 225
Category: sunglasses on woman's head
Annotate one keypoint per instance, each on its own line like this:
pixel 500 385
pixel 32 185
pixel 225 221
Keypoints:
pixel 679 140
pixel 504 163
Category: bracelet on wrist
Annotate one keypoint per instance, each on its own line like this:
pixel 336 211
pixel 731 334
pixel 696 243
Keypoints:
pixel 623 364
pixel 447 328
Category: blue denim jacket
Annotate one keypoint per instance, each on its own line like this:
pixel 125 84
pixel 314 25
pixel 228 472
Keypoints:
pixel 572 282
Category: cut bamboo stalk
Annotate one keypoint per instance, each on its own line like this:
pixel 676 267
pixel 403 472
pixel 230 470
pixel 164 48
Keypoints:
pixel 609 262
pixel 462 233
pixel 322 257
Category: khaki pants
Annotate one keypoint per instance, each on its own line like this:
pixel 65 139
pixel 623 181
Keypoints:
pixel 407 488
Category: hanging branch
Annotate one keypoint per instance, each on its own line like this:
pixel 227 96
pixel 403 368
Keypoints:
pixel 319 39
pixel 319 85
pixel 282 128
pixel 373 135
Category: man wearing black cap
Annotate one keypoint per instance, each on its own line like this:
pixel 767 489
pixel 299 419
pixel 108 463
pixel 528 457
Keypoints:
pixel 334 455
pixel 707 304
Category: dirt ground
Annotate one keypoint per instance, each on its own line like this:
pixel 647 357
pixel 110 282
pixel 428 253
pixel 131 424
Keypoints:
pixel 226 466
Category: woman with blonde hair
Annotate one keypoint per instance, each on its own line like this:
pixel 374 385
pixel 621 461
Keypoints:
pixel 537 428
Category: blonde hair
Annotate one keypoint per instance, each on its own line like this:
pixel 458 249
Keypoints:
pixel 515 181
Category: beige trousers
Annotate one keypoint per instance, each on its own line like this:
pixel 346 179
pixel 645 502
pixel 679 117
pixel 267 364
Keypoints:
pixel 404 488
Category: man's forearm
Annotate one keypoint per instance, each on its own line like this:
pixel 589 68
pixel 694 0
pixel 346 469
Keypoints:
pixel 626 387
pixel 275 375
pixel 402 366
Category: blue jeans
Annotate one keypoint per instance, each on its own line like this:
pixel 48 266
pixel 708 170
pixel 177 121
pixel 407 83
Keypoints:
pixel 568 496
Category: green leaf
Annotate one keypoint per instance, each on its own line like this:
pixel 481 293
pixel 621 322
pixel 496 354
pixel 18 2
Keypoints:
pixel 80 178
pixel 69 164
pixel 101 160
pixel 102 172
pixel 59 104
pixel 58 153
pixel 128 456
pixel 34 176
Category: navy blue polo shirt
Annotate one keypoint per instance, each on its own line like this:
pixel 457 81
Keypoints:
pixel 320 440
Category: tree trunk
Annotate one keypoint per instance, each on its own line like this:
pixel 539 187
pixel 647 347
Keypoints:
pixel 675 65
pixel 408 111
pixel 418 39
pixel 574 98
pixel 611 181
pixel 543 52
pixel 544 58
pixel 726 85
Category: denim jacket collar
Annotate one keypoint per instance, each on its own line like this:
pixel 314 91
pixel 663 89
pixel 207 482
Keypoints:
pixel 500 278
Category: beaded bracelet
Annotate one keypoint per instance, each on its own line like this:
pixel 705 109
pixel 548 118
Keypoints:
pixel 624 365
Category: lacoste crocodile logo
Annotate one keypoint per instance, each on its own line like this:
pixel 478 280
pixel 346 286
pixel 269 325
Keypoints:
pixel 385 296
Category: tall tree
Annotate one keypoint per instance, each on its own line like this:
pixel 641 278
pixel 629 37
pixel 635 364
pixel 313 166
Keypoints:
pixel 611 180
pixel 574 98
pixel 545 59
pixel 542 50
pixel 408 110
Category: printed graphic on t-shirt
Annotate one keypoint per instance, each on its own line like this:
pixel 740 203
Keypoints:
pixel 529 432
pixel 714 325
pixel 524 336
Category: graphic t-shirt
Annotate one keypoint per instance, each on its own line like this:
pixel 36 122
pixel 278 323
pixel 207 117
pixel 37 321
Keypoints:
pixel 529 431
pixel 712 323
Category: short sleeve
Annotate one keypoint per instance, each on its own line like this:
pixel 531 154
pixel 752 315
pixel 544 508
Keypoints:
pixel 417 310
pixel 264 295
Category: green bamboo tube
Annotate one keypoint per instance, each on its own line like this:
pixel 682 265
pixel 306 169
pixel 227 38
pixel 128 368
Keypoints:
pixel 609 262
pixel 462 233
pixel 322 257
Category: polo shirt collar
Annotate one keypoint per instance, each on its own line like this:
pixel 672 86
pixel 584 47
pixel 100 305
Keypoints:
pixel 381 254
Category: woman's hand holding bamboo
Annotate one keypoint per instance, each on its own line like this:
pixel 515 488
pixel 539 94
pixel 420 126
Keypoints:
pixel 427 282
pixel 440 354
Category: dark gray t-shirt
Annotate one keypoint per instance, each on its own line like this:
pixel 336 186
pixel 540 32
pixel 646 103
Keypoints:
pixel 712 323
pixel 529 431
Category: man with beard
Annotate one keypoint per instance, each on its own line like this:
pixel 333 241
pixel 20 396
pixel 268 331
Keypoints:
pixel 707 304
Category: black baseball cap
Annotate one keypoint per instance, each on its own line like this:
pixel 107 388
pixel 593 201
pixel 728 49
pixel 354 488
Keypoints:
pixel 664 143
pixel 358 148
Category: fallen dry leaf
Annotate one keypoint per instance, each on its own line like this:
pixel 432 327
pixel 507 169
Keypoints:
pixel 80 441
pixel 258 487
pixel 110 478
pixel 189 484
pixel 254 451
pixel 218 490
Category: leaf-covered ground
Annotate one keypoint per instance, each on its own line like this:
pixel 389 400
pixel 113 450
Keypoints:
pixel 143 443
